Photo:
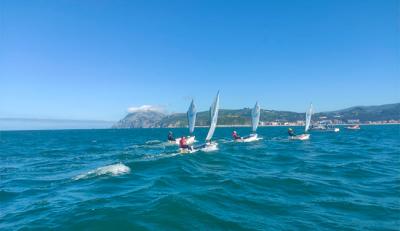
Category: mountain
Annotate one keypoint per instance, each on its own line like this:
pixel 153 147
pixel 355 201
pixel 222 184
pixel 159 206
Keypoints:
pixel 366 113
pixel 230 117
pixel 141 119
pixel 154 119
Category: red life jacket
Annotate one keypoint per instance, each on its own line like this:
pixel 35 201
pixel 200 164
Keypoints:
pixel 182 142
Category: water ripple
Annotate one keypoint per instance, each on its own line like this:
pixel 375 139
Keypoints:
pixel 133 180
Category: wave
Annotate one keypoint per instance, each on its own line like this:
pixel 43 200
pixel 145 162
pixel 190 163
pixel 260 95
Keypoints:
pixel 149 145
pixel 7 195
pixel 151 157
pixel 112 170
pixel 150 142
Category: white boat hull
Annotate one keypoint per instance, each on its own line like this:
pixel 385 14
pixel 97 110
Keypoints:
pixel 186 151
pixel 353 128
pixel 209 147
pixel 337 130
pixel 326 130
pixel 204 148
pixel 250 138
pixel 300 137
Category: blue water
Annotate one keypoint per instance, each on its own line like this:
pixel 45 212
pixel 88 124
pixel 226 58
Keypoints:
pixel 127 180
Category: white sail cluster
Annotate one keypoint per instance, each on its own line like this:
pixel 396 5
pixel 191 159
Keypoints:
pixel 255 120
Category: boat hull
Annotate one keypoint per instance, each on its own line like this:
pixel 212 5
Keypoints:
pixel 353 128
pixel 300 137
pixel 326 130
pixel 250 138
pixel 209 147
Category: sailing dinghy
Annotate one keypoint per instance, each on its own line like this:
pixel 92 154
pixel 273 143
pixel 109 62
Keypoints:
pixel 305 136
pixel 208 146
pixel 191 116
pixel 324 126
pixel 353 127
pixel 255 119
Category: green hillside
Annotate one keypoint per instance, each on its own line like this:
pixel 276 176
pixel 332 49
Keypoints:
pixel 243 116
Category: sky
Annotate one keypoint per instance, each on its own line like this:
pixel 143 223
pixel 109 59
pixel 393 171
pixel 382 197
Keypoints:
pixel 96 59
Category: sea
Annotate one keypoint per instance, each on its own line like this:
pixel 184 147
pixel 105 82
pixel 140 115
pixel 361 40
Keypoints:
pixel 131 179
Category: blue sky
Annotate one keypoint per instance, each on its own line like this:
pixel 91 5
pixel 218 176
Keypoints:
pixel 94 59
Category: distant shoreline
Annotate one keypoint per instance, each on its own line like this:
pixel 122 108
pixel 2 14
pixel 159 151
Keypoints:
pixel 220 126
pixel 228 126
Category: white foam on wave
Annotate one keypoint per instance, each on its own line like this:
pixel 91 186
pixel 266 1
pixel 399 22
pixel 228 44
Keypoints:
pixel 153 142
pixel 112 170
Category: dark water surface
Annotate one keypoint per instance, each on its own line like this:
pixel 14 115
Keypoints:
pixel 127 180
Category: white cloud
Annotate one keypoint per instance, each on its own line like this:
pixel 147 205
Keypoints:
pixel 146 108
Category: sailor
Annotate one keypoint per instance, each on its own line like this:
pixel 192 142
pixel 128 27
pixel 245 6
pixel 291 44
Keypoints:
pixel 183 144
pixel 291 132
pixel 236 136
pixel 170 136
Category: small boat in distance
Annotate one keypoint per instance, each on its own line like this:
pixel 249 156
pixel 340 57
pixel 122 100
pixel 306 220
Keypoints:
pixel 208 145
pixel 353 127
pixel 191 117
pixel 255 119
pixel 324 126
pixel 305 136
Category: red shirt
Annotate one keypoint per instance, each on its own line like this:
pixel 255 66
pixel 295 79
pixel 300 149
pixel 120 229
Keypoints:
pixel 182 142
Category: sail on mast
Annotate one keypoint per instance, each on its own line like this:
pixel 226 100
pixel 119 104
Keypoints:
pixel 308 117
pixel 214 117
pixel 255 116
pixel 191 115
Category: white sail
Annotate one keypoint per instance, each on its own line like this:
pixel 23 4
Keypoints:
pixel 214 117
pixel 255 116
pixel 308 117
pixel 191 115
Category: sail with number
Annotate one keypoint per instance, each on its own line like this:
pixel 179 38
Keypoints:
pixel 191 116
pixel 214 117
pixel 255 116
pixel 308 117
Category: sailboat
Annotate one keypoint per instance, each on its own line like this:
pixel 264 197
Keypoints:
pixel 191 116
pixel 255 119
pixel 353 127
pixel 324 126
pixel 208 145
pixel 305 136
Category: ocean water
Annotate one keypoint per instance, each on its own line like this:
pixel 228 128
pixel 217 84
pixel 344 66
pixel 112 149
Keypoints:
pixel 131 180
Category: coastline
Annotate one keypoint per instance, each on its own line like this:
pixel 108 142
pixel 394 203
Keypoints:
pixel 220 126
pixel 229 126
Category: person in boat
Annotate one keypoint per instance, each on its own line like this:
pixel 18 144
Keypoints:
pixel 183 144
pixel 170 136
pixel 291 132
pixel 236 136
